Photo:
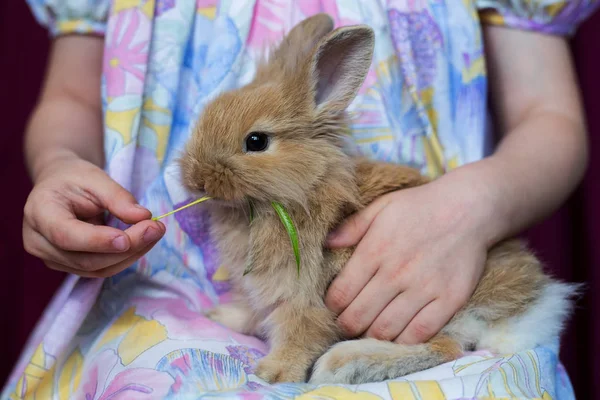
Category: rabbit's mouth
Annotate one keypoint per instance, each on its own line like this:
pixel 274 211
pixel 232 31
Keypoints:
pixel 219 181
pixel 224 193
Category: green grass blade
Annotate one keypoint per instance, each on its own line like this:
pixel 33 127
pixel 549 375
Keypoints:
pixel 200 200
pixel 291 230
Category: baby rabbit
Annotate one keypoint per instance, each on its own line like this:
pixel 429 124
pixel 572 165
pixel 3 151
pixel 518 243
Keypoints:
pixel 279 138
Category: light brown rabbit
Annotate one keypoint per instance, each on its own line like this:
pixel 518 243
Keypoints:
pixel 279 139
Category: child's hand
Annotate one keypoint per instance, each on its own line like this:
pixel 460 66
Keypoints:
pixel 420 254
pixel 63 223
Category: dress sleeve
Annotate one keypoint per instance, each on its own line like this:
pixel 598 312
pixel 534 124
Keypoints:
pixel 63 17
pixel 559 17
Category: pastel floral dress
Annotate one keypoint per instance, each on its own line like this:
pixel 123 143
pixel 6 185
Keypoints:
pixel 141 334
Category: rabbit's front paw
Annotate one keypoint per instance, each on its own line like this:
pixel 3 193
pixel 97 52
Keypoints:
pixel 275 370
pixel 233 316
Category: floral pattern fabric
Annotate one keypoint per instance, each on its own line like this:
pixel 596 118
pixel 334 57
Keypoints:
pixel 142 333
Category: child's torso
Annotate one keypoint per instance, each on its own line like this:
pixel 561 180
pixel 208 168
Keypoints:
pixel 422 104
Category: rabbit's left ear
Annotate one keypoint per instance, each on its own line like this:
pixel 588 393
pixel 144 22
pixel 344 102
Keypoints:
pixel 339 66
pixel 291 54
pixel 299 42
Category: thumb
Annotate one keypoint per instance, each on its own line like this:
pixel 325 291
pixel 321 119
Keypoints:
pixel 356 226
pixel 121 203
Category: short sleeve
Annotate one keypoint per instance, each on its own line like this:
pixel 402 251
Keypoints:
pixel 559 17
pixel 63 17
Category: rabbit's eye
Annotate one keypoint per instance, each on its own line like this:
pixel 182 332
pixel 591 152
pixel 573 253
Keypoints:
pixel 257 141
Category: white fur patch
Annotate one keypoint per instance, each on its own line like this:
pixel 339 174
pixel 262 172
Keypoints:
pixel 541 324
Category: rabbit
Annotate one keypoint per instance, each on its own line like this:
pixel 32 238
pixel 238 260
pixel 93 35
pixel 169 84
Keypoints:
pixel 280 138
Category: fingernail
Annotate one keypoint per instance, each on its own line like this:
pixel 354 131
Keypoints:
pixel 151 235
pixel 140 207
pixel 120 243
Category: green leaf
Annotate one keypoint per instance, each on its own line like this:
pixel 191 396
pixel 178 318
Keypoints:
pixel 290 228
pixel 200 200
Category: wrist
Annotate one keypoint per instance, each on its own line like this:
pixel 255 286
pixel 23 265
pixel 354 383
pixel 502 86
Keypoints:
pixel 475 191
pixel 44 162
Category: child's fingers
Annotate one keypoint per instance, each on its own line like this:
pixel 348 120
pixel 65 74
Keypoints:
pixel 121 202
pixel 356 226
pixel 60 227
pixel 364 311
pixel 105 272
pixel 120 266
pixel 397 315
pixel 354 276
pixel 142 235
pixel 427 323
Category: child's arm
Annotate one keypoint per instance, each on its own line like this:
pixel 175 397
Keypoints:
pixel 421 251
pixel 68 118
pixel 64 151
pixel 544 152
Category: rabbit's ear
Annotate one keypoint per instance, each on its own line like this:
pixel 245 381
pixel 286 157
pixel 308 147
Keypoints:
pixel 340 65
pixel 300 41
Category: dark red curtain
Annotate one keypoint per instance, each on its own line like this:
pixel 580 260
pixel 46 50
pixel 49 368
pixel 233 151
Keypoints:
pixel 26 285
pixel 565 241
pixel 568 241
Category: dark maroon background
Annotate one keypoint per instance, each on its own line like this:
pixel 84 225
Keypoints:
pixel 565 241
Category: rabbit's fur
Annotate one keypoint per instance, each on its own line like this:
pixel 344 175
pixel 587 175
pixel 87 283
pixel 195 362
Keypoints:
pixel 299 97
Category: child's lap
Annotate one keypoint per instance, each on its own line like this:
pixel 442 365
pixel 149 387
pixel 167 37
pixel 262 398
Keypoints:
pixel 162 342
pixel 150 339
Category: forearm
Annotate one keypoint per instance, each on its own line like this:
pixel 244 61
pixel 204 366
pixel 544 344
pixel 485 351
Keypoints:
pixel 67 120
pixel 62 127
pixel 543 152
pixel 534 169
